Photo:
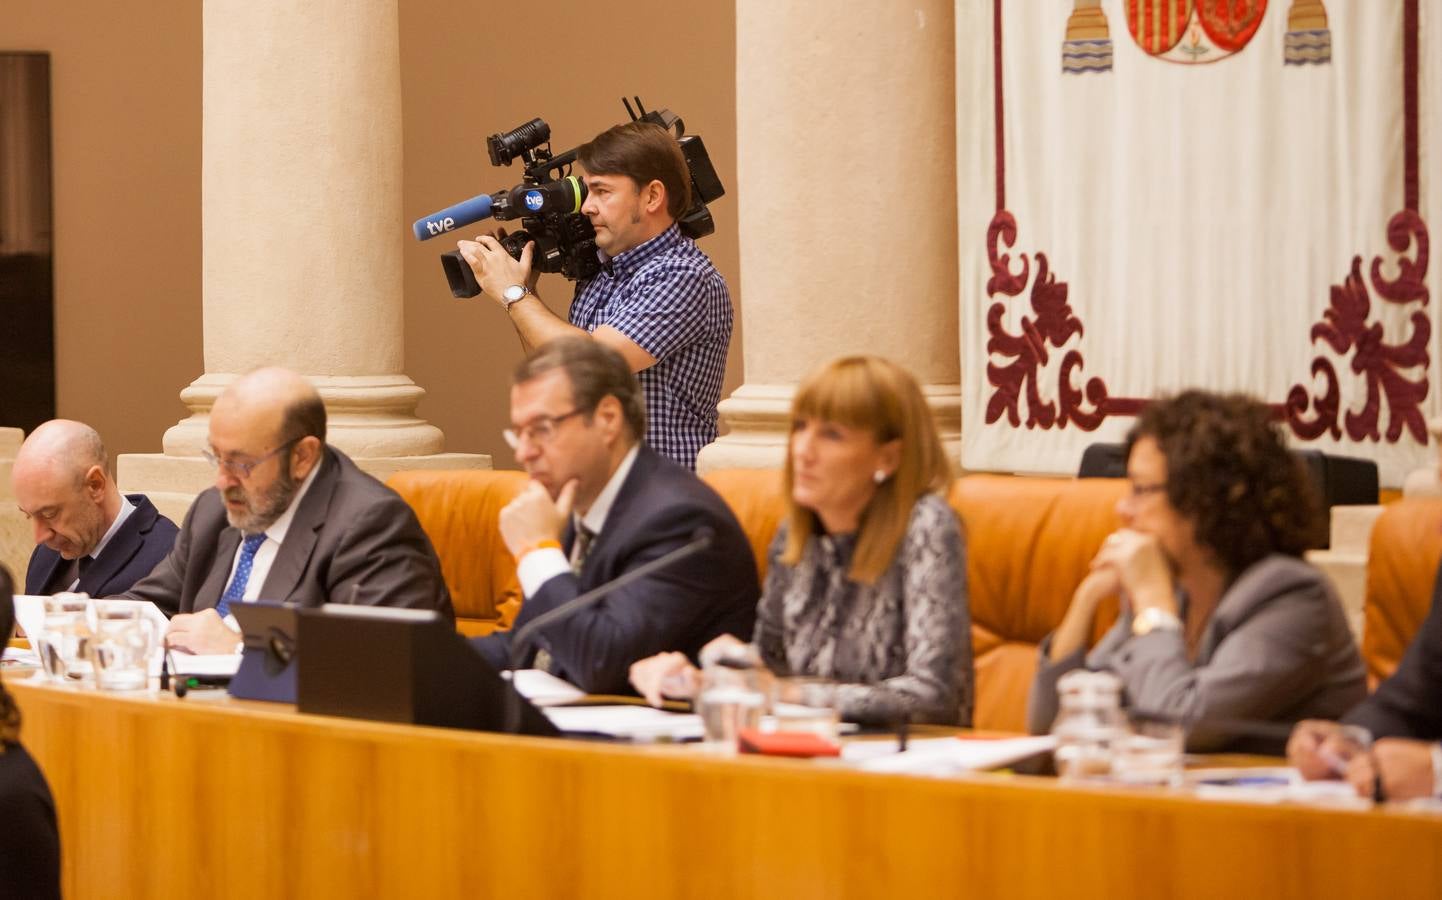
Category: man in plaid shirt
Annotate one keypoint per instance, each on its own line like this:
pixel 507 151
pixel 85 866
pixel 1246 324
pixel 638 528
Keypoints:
pixel 658 301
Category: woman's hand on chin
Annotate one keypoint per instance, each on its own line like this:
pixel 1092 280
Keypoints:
pixel 1142 570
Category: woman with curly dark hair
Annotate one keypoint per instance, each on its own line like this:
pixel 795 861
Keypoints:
pixel 29 840
pixel 1221 618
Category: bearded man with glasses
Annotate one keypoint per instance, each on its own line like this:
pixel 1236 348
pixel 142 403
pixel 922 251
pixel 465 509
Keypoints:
pixel 601 503
pixel 290 519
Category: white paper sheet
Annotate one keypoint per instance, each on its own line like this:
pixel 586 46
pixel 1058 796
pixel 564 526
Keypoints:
pixel 944 756
pixel 30 613
pixel 200 664
pixel 631 722
pixel 543 688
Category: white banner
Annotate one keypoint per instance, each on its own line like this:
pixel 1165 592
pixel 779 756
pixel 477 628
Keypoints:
pixel 1156 196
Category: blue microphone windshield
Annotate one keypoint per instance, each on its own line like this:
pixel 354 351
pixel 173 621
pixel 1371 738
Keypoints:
pixel 464 213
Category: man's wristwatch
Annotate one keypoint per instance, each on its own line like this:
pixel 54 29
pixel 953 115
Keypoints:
pixel 513 294
pixel 1154 618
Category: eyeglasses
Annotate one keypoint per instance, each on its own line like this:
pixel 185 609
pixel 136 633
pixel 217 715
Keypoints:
pixel 243 468
pixel 1141 490
pixel 539 430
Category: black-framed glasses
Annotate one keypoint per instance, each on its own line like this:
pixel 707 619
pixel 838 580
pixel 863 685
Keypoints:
pixel 1141 490
pixel 539 430
pixel 242 468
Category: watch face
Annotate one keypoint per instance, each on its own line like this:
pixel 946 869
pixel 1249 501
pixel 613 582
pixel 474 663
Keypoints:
pixel 515 292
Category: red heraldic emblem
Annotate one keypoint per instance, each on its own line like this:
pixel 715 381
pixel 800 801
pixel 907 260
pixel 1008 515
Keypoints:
pixel 1194 31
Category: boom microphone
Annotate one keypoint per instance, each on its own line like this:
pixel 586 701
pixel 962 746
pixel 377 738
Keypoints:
pixel 522 638
pixel 452 217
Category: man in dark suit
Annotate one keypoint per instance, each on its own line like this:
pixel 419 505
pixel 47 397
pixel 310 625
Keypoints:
pixel 599 504
pixel 1405 718
pixel 88 536
pixel 290 519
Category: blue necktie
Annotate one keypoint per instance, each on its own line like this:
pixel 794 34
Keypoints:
pixel 242 573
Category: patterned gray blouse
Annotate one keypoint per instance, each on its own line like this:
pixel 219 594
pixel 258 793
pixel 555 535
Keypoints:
pixel 901 646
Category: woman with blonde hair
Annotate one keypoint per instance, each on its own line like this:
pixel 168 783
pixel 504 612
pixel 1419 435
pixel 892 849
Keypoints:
pixel 867 577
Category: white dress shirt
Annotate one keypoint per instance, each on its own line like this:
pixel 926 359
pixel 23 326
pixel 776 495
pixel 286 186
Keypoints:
pixel 126 508
pixel 540 566
pixel 265 554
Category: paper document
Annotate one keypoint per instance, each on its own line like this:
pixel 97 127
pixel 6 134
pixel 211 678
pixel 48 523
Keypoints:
pixel 631 722
pixel 944 756
pixel 543 688
pixel 30 613
pixel 202 664
pixel 20 657
pixel 1270 785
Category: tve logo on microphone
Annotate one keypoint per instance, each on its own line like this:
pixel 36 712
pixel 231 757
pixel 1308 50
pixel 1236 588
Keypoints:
pixel 535 200
pixel 441 226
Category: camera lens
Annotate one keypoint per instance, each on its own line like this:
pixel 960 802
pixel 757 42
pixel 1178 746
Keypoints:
pixel 505 147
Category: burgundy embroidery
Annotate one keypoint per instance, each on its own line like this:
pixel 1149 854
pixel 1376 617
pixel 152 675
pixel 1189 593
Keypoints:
pixel 1345 325
pixel 1346 329
pixel 1053 325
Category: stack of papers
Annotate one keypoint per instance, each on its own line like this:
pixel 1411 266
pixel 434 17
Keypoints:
pixel 544 689
pixel 636 723
pixel 944 756
pixel 30 613
pixel 1271 785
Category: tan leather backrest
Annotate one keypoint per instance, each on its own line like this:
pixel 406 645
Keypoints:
pixel 1402 565
pixel 1029 542
pixel 755 496
pixel 460 512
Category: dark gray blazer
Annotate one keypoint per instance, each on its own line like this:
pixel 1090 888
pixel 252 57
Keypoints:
pixel 1277 649
pixel 352 540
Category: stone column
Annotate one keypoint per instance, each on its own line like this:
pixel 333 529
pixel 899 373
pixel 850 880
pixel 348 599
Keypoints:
pixel 302 227
pixel 846 179
pixel 17 540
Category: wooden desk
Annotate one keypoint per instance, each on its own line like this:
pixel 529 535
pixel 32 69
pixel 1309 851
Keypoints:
pixel 209 797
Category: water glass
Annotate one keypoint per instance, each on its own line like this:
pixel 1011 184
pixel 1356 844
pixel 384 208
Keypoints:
pixel 1149 753
pixel 806 704
pixel 1089 723
pixel 63 642
pixel 121 646
pixel 732 697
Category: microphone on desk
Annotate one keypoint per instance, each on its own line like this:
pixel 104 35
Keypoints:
pixel 701 539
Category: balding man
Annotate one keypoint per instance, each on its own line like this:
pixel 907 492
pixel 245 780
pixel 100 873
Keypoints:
pixel 89 537
pixel 290 520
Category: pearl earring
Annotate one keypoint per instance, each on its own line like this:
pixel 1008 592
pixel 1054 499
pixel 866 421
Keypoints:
pixel 878 476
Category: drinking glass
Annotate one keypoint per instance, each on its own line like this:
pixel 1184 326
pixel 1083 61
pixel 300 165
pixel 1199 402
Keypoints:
pixel 121 646
pixel 1089 723
pixel 1149 753
pixel 732 697
pixel 62 643
pixel 806 704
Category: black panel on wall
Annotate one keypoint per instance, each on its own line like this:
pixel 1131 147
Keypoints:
pixel 27 286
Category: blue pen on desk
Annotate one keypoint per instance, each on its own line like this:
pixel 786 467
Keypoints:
pixel 1250 781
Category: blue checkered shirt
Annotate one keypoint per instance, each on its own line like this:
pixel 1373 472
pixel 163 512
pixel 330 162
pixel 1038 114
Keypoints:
pixel 667 297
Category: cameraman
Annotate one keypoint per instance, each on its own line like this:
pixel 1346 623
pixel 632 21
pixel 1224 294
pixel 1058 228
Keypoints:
pixel 658 300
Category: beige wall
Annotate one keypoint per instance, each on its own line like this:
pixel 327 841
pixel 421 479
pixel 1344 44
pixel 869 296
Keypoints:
pixel 126 106
pixel 467 75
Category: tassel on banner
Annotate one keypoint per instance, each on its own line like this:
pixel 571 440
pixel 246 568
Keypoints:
pixel 1308 39
pixel 1088 45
